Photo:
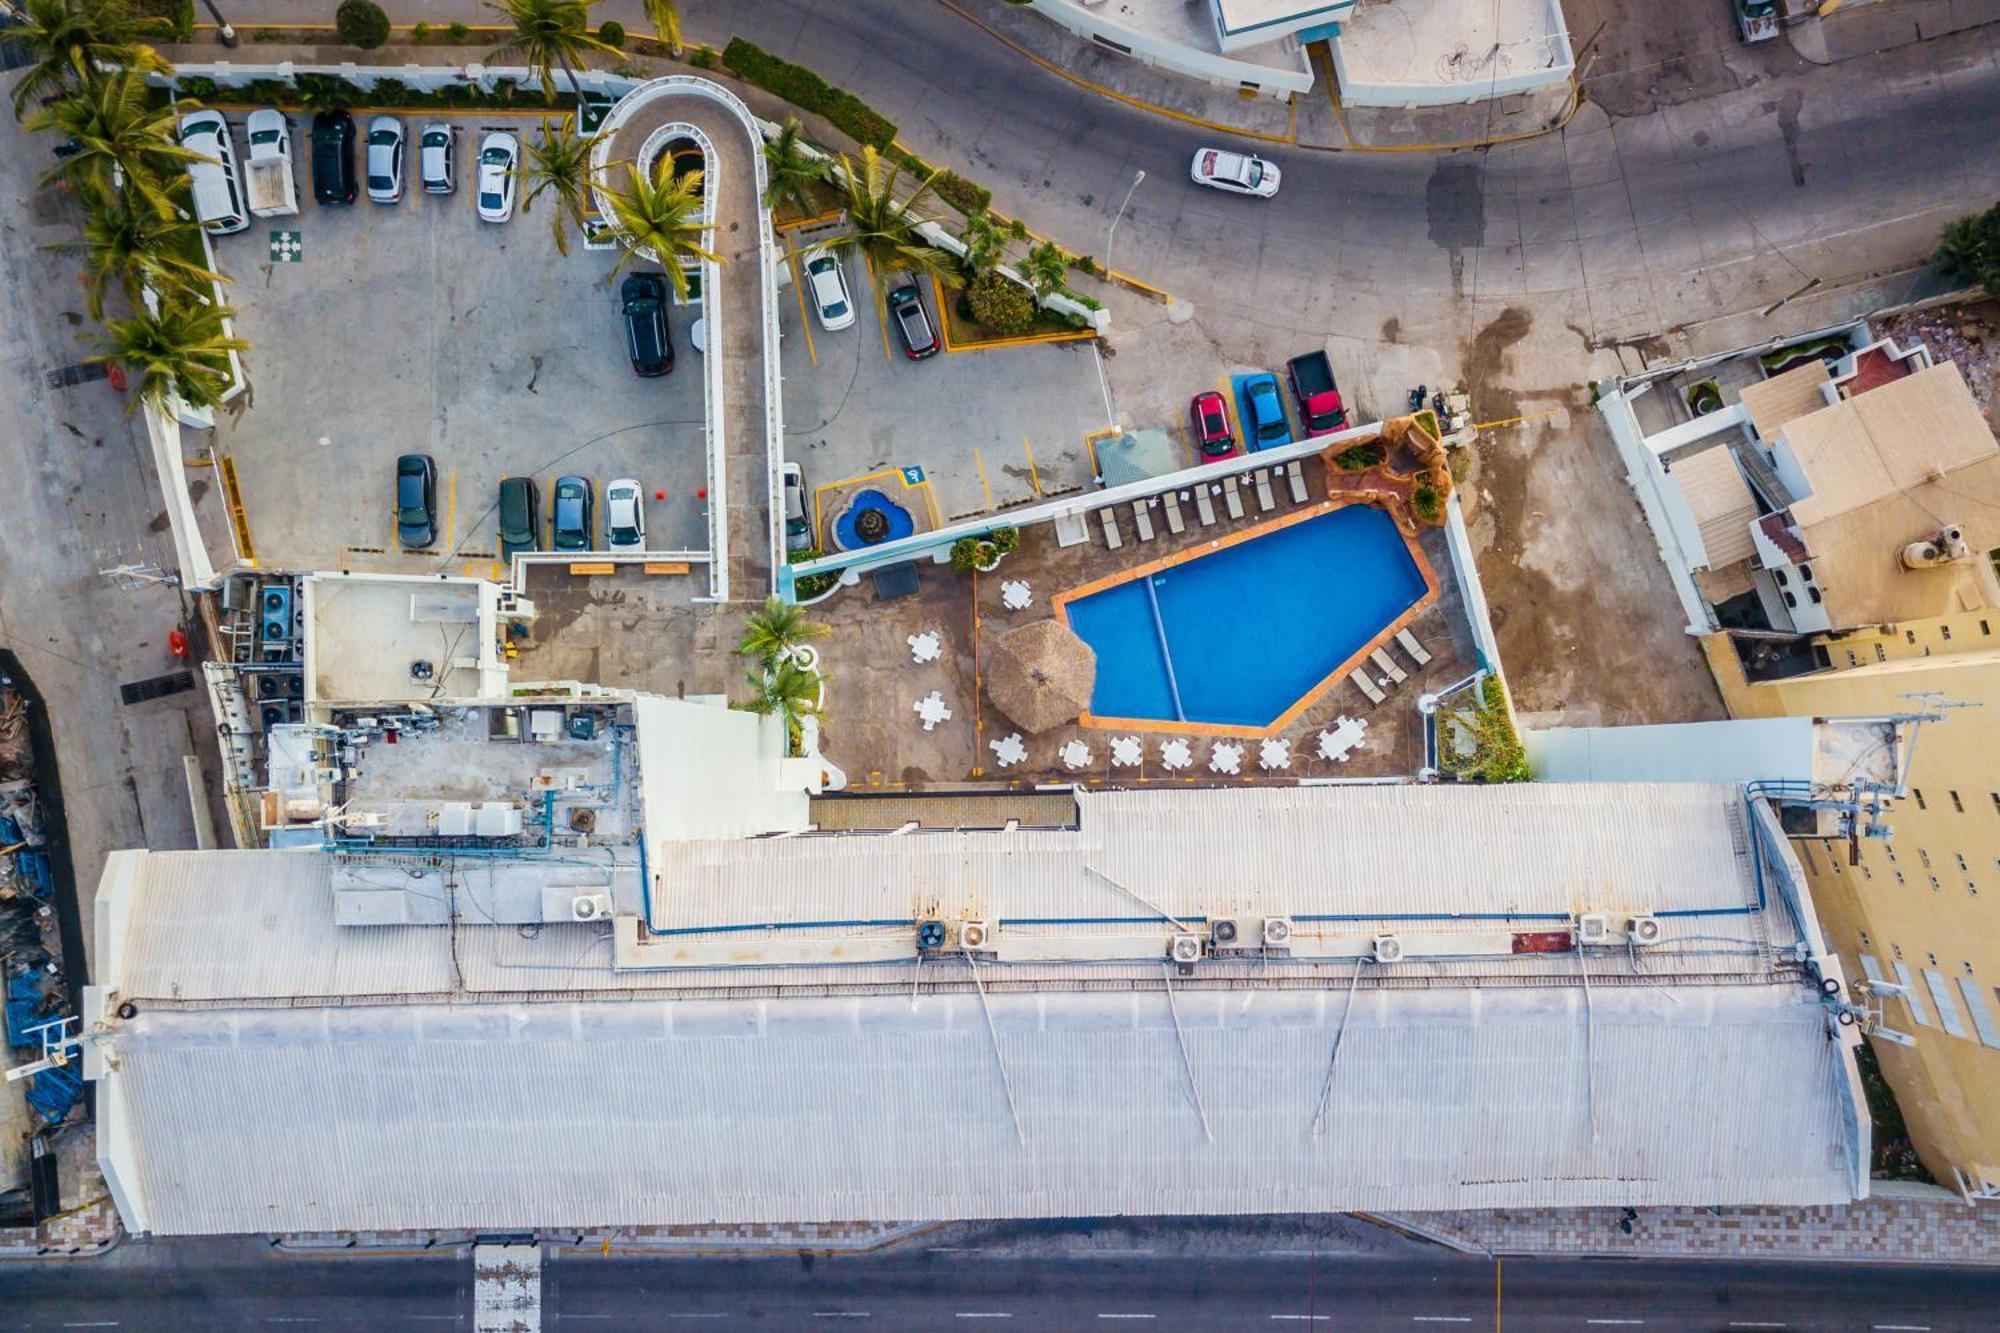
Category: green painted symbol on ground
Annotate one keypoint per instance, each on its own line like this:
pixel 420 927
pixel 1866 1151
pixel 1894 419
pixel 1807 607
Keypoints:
pixel 287 248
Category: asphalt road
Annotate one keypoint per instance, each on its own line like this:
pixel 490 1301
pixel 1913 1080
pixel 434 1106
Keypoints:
pixel 227 1285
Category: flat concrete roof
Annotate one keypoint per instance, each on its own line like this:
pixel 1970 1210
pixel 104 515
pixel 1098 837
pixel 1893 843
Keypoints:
pixel 1432 42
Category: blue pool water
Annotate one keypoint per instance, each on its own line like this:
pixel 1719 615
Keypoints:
pixel 1242 634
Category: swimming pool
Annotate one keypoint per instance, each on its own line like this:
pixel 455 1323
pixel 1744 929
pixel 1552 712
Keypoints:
pixel 1237 637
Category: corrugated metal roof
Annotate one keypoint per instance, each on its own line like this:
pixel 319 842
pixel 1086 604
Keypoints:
pixel 655 1112
pixel 1721 503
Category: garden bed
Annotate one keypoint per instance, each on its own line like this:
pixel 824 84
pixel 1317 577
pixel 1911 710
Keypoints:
pixel 963 331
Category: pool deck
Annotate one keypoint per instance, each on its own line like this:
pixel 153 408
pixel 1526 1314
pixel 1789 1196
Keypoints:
pixel 872 730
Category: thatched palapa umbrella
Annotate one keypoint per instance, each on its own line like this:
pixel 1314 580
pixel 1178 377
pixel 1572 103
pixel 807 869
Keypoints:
pixel 1041 675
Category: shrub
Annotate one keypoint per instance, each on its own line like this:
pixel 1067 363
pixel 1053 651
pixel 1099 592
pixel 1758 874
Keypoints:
pixel 179 13
pixel 808 586
pixel 612 33
pixel 961 193
pixel 1969 249
pixel 808 91
pixel 1360 457
pixel 702 58
pixel 270 35
pixel 1497 754
pixel 1000 305
pixel 196 87
pixel 458 32
pixel 420 32
pixel 969 553
pixel 326 92
pixel 1005 540
pixel 1427 503
pixel 361 23
pixel 1083 264
pixel 392 92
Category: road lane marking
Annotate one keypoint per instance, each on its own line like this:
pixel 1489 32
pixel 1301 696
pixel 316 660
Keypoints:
pixel 981 1314
pixel 1614 1321
pixel 1749 1324
pixel 842 1314
pixel 1127 1316
pixel 1440 1319
pixel 1901 1328
pixel 102 1323
pixel 1306 1318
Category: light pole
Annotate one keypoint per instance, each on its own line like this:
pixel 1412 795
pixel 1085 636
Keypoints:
pixel 1110 235
pixel 223 32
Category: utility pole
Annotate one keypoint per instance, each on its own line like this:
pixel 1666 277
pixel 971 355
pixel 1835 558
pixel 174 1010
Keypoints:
pixel 1110 235
pixel 224 33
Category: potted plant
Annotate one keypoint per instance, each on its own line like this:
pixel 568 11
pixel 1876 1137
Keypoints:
pixel 970 553
pixel 1704 398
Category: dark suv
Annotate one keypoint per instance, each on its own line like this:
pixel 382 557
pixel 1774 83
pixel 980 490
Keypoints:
pixel 519 517
pixel 644 296
pixel 416 501
pixel 333 157
pixel 913 322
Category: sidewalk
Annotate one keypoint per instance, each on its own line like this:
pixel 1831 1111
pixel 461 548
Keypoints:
pixel 1902 1224
pixel 1863 29
pixel 748 1238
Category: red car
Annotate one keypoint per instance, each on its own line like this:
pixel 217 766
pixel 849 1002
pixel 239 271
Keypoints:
pixel 1211 425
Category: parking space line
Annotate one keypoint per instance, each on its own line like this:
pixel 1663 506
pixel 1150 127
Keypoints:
pixel 1187 445
pixel 451 509
pixel 799 290
pixel 1090 447
pixel 546 520
pixel 1034 473
pixel 980 463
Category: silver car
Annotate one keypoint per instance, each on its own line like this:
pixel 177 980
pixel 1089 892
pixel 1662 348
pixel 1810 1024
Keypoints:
pixel 437 158
pixel 385 160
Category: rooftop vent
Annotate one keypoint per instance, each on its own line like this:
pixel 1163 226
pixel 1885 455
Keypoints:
pixel 1185 949
pixel 1277 932
pixel 1593 928
pixel 1643 929
pixel 1388 949
pixel 1943 547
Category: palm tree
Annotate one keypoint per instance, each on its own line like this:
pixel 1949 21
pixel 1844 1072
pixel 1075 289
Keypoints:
pixel 884 228
pixel 790 170
pixel 789 691
pixel 178 350
pixel 665 16
pixel 548 33
pixel 121 142
pixel 984 243
pixel 71 39
pixel 770 634
pixel 660 220
pixel 559 163
pixel 1046 268
pixel 128 243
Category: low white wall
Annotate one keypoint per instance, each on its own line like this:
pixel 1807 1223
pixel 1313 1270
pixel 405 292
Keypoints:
pixel 1647 478
pixel 1102 29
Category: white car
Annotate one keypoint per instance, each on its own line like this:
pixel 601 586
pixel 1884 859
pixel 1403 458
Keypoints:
pixel 435 165
pixel 385 160
pixel 798 528
pixel 828 285
pixel 625 516
pixel 499 154
pixel 218 200
pixel 1236 173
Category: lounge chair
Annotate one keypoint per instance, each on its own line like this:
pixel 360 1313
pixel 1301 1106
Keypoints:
pixel 1232 496
pixel 1297 476
pixel 1112 537
pixel 1387 666
pixel 1204 508
pixel 1142 520
pixel 1367 687
pixel 1264 500
pixel 1412 647
pixel 1175 523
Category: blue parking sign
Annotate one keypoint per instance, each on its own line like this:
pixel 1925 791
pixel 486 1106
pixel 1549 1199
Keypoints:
pixel 913 476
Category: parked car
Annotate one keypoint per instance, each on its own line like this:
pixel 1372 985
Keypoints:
pixel 625 516
pixel 218 197
pixel 798 528
pixel 437 158
pixel 572 525
pixel 333 157
pixel 1756 20
pixel 519 518
pixel 913 321
pixel 385 160
pixel 1211 425
pixel 828 285
pixel 1235 173
pixel 267 175
pixel 499 155
pixel 416 501
pixel 1315 392
pixel 644 299
pixel 1267 427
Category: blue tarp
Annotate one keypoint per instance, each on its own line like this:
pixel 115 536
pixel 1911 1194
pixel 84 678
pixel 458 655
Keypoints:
pixel 24 1010
pixel 32 864
pixel 53 1091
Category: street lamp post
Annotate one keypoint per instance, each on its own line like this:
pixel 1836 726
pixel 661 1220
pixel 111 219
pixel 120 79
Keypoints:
pixel 1112 234
pixel 223 32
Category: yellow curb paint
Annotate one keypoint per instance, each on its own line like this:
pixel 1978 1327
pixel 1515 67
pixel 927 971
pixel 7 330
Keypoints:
pixel 1090 446
pixel 980 463
pixel 1034 473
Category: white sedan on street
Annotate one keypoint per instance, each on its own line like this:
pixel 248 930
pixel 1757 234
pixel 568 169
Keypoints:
pixel 1237 173
pixel 499 155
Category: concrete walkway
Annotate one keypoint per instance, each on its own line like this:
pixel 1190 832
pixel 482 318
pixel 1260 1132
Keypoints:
pixel 1863 29
pixel 1915 1224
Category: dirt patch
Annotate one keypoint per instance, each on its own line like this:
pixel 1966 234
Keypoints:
pixel 1487 361
pixel 1589 629
pixel 1967 334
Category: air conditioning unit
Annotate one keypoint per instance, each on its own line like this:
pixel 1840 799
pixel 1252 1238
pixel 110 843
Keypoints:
pixel 1593 928
pixel 1185 949
pixel 590 907
pixel 1388 949
pixel 1643 929
pixel 930 935
pixel 1277 932
pixel 1224 931
pixel 974 935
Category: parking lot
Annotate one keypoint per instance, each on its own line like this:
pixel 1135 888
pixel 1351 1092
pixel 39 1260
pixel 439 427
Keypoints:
pixel 417 328
pixel 988 428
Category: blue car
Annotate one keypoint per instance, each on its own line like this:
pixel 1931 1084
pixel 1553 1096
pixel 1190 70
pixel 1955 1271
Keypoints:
pixel 1268 427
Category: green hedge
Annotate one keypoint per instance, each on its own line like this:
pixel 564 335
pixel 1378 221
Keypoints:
pixel 961 193
pixel 179 13
pixel 809 92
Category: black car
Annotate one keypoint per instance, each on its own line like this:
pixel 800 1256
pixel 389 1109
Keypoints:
pixel 644 296
pixel 570 516
pixel 416 501
pixel 519 516
pixel 333 157
pixel 913 322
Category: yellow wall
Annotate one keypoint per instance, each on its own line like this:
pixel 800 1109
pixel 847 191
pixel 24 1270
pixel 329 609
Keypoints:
pixel 1929 895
